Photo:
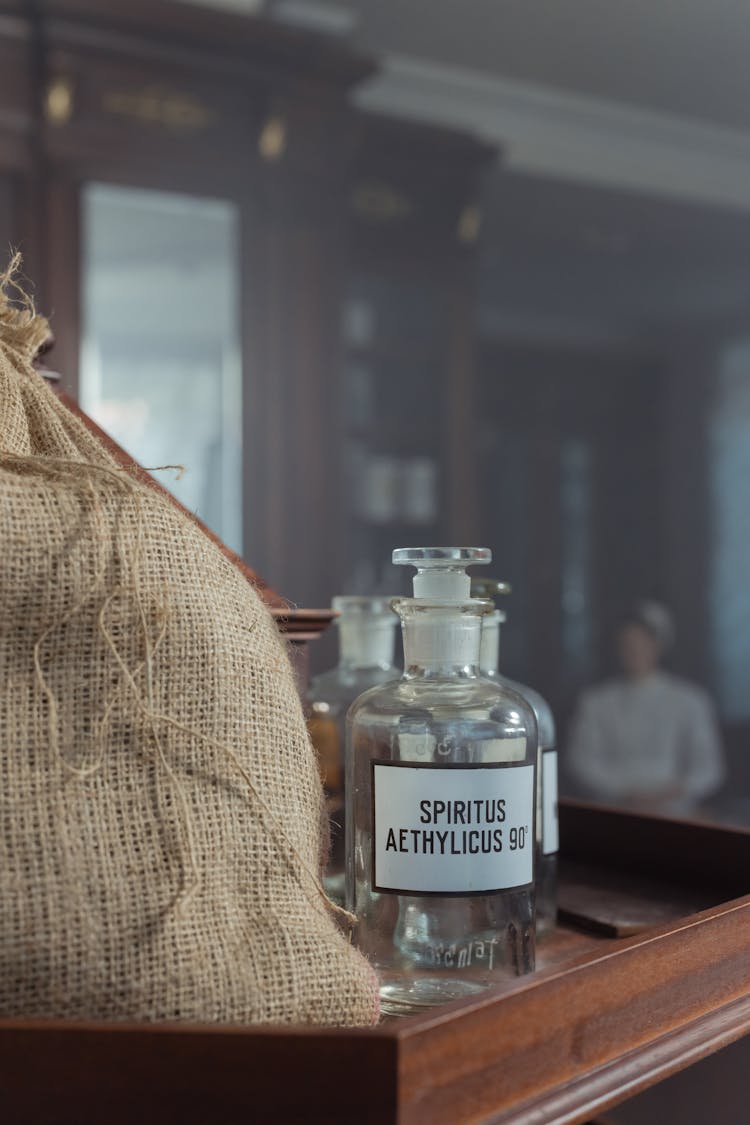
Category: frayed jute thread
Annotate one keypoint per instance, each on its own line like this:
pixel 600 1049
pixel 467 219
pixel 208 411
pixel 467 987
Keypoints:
pixel 21 327
pixel 179 470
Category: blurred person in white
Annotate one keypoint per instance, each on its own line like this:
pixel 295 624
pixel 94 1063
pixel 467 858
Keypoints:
pixel 646 739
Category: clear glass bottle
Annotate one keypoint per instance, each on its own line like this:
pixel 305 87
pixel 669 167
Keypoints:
pixel 367 636
pixel 547 833
pixel 440 803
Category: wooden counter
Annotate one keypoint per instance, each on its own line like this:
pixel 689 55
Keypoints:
pixel 603 1017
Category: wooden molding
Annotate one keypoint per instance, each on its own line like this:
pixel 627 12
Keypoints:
pixel 243 44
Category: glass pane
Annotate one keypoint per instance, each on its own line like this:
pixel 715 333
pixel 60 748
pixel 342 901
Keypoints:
pixel 575 512
pixel 505 503
pixel 160 363
pixel 730 590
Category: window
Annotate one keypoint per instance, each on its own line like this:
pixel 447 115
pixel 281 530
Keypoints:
pixel 160 364
pixel 730 482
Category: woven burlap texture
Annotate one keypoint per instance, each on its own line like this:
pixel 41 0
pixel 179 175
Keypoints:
pixel 160 807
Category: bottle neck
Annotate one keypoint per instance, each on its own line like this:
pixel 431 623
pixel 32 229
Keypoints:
pixel 441 642
pixel 366 644
pixel 489 653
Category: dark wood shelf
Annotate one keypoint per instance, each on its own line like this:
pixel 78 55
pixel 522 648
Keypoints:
pixel 601 1019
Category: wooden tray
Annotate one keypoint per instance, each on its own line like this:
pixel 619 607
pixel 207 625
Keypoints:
pixel 603 1017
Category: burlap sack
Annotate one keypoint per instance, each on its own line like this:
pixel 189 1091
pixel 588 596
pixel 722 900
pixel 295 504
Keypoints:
pixel 160 807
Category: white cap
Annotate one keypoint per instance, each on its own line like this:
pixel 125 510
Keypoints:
pixel 657 619
pixel 367 630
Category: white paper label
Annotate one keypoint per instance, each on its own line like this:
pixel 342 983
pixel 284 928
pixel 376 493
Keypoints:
pixel 452 829
pixel 550 830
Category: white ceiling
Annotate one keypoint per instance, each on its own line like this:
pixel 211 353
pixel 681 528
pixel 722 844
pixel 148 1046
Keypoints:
pixel 685 57
pixel 688 57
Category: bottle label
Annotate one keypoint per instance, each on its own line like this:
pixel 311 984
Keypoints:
pixel 461 830
pixel 550 830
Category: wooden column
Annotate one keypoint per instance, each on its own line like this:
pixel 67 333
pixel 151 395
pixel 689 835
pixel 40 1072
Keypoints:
pixel 295 244
pixel 16 127
pixel 687 532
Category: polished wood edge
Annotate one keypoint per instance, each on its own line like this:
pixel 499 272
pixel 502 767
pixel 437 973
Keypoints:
pixel 302 624
pixel 635 1071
